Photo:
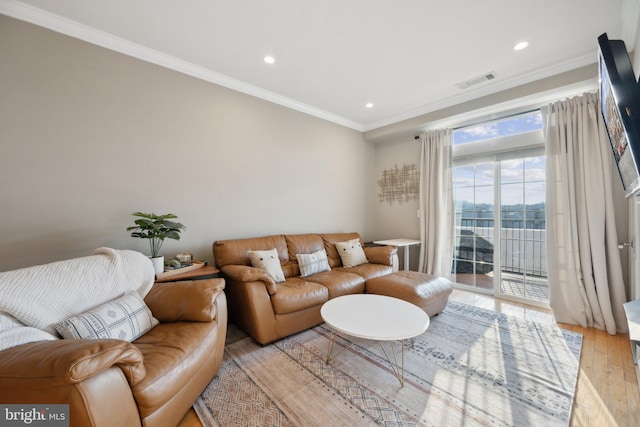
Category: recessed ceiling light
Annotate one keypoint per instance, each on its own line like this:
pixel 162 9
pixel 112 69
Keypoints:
pixel 521 45
pixel 369 105
pixel 269 59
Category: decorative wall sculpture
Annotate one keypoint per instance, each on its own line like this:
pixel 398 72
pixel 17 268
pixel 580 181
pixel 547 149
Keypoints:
pixel 400 184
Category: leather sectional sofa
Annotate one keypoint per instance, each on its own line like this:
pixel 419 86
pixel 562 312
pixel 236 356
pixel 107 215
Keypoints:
pixel 151 381
pixel 268 310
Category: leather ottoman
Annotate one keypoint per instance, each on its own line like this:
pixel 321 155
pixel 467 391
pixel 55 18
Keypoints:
pixel 428 292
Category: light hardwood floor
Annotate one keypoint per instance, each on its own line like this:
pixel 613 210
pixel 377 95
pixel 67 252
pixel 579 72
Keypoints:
pixel 607 393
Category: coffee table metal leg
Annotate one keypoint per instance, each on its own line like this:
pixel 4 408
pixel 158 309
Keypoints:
pixel 398 369
pixel 332 340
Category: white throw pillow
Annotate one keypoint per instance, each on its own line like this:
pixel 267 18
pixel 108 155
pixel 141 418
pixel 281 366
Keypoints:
pixel 351 253
pixel 313 263
pixel 125 318
pixel 269 261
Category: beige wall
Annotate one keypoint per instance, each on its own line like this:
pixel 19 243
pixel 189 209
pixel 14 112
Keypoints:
pixel 88 136
pixel 397 220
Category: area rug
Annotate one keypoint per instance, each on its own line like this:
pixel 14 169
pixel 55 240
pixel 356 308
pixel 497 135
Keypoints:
pixel 473 367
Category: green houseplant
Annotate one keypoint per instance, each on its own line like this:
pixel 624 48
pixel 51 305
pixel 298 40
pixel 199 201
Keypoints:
pixel 156 228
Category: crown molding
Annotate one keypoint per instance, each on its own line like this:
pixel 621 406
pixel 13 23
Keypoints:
pixel 488 89
pixel 59 24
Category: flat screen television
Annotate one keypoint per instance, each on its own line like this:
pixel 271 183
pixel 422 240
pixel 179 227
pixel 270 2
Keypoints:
pixel 620 102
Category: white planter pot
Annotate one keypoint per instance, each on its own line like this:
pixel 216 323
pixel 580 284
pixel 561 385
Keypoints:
pixel 158 264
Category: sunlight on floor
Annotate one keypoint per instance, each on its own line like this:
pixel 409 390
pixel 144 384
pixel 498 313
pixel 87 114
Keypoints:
pixel 589 408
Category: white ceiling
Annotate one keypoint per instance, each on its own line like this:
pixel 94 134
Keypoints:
pixel 334 56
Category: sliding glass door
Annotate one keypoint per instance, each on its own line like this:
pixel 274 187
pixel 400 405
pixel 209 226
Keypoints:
pixel 473 258
pixel 523 259
pixel 499 198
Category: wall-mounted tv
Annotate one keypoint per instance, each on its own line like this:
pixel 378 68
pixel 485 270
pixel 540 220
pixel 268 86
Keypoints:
pixel 620 101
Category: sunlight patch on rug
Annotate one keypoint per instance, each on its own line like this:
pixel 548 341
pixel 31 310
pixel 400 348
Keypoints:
pixel 472 367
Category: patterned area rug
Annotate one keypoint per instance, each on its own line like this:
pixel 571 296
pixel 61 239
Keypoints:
pixel 472 367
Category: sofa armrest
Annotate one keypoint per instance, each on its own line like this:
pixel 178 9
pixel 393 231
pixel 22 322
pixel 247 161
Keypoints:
pixel 192 300
pixel 244 273
pixel 63 362
pixel 381 254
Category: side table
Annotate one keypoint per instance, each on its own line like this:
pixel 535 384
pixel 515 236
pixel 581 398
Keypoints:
pixel 400 243
pixel 201 273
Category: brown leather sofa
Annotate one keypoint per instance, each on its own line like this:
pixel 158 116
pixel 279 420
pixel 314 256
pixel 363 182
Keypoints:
pixel 269 311
pixel 151 381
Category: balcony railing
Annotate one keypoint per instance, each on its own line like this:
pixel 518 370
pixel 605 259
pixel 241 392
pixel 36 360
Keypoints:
pixel 522 250
pixel 523 260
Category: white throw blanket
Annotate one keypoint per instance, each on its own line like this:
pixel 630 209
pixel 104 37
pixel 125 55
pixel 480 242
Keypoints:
pixel 34 299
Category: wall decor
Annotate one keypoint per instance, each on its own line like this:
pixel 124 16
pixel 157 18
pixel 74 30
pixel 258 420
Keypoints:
pixel 399 184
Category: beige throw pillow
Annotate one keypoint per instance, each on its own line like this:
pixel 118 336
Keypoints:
pixel 313 263
pixel 351 253
pixel 125 318
pixel 268 261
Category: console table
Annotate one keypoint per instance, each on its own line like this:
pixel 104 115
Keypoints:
pixel 405 243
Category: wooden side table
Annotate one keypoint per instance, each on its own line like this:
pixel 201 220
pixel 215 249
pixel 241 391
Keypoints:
pixel 198 274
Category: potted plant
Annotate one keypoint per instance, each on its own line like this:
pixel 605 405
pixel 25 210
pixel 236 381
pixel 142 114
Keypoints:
pixel 156 228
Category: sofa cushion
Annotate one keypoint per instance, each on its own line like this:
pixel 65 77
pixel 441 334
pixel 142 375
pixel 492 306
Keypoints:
pixel 428 292
pixel 367 271
pixel 297 294
pixel 125 318
pixel 339 283
pixel 351 253
pixel 228 252
pixel 303 244
pixel 268 261
pixel 313 263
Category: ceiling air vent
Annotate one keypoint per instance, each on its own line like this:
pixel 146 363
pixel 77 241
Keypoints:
pixel 476 80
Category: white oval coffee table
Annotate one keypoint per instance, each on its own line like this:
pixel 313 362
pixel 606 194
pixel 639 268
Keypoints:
pixel 374 317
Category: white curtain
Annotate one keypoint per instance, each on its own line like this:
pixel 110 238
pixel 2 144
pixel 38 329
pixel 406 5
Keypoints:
pixel 436 203
pixel 585 275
